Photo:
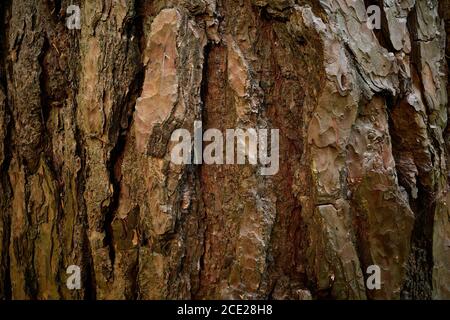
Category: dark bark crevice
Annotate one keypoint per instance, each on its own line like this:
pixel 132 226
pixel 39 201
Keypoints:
pixel 5 158
pixel 208 50
pixel 223 231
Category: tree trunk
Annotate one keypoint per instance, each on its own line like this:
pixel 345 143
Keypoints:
pixel 87 178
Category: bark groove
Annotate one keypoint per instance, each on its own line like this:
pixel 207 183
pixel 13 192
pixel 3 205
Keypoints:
pixel 86 177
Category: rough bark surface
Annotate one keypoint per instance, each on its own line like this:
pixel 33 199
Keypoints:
pixel 86 176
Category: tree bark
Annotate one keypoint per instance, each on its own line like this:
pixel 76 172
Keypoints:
pixel 86 177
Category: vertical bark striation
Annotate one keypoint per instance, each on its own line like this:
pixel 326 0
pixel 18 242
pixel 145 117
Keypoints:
pixel 86 118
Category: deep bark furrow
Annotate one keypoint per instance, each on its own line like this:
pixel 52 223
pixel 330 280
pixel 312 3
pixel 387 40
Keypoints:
pixel 88 179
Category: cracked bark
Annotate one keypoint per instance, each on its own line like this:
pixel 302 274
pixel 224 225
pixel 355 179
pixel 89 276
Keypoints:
pixel 86 178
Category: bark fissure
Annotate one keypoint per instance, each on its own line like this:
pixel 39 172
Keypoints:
pixel 87 177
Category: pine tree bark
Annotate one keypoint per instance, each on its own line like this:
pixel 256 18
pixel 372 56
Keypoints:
pixel 86 176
